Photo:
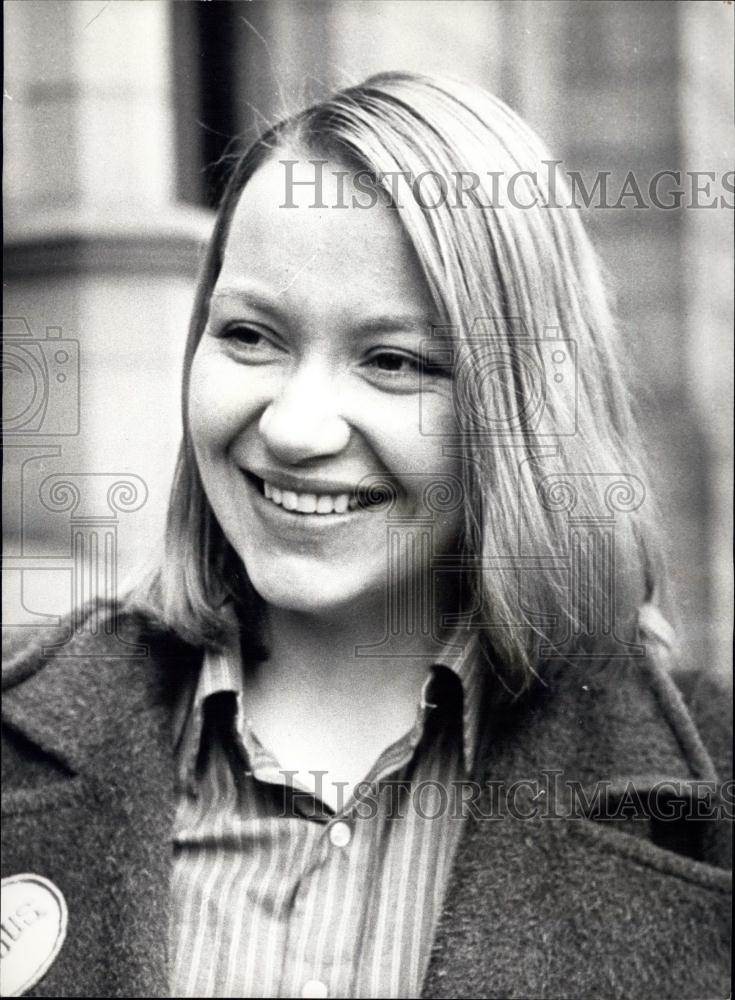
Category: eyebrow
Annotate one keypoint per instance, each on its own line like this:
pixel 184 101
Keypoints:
pixel 379 323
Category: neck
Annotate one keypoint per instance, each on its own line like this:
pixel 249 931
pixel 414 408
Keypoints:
pixel 319 704
pixel 353 653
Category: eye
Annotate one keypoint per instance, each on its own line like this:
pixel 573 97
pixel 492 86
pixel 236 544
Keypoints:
pixel 248 343
pixel 245 335
pixel 394 363
pixel 404 370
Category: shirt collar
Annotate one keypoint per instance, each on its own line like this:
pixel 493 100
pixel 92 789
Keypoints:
pixel 462 656
pixel 222 672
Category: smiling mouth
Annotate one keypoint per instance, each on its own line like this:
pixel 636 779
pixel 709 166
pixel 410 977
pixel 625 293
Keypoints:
pixel 317 503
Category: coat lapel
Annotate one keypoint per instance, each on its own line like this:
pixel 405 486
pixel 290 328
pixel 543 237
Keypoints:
pixel 545 901
pixel 98 822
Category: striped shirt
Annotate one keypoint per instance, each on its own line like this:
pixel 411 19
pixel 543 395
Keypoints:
pixel 274 894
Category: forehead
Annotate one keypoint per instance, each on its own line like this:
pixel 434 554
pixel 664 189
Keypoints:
pixel 301 253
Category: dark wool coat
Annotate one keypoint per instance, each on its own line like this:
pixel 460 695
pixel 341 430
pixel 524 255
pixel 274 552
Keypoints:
pixel 542 901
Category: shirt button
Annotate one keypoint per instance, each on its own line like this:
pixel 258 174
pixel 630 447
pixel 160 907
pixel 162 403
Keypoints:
pixel 340 835
pixel 314 989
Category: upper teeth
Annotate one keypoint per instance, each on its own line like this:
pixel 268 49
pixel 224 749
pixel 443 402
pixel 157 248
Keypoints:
pixel 310 503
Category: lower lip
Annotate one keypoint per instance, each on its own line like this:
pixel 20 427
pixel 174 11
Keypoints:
pixel 294 520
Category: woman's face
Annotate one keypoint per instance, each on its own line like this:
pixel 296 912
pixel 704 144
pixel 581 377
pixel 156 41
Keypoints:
pixel 306 380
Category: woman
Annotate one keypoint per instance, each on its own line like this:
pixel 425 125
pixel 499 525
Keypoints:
pixel 403 729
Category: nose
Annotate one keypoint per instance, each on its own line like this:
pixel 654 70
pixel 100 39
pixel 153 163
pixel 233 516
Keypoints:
pixel 302 422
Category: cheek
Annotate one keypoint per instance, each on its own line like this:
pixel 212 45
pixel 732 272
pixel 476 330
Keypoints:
pixel 222 400
pixel 438 420
pixel 409 437
pixel 411 434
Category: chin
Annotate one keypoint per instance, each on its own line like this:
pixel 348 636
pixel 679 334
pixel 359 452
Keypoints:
pixel 311 592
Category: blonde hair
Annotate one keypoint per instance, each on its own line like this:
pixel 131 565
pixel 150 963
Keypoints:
pixel 501 275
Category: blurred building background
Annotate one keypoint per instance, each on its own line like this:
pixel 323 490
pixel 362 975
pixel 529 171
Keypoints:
pixel 116 115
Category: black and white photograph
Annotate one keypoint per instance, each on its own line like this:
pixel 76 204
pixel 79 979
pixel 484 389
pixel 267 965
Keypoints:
pixel 367 499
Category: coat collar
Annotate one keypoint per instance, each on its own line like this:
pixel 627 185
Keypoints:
pixel 89 705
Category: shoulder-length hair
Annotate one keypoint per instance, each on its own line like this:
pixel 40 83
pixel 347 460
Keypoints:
pixel 547 434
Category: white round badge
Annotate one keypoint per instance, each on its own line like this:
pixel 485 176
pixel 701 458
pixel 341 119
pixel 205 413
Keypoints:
pixel 33 917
